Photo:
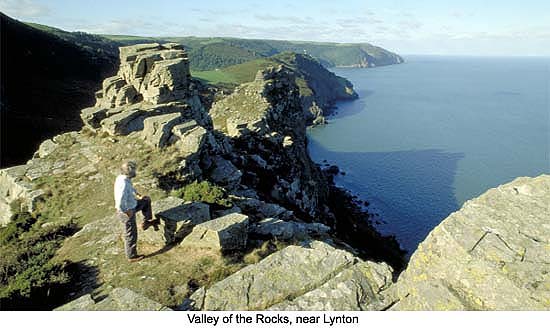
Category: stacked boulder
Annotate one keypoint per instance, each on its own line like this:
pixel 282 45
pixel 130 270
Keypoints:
pixel 152 94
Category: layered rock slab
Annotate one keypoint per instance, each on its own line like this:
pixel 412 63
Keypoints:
pixel 15 188
pixel 492 254
pixel 281 279
pixel 286 230
pixel 355 288
pixel 176 219
pixel 119 299
pixel 229 232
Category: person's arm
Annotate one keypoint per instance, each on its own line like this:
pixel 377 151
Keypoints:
pixel 123 192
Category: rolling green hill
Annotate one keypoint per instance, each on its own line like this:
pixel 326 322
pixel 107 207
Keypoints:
pixel 49 74
pixel 217 52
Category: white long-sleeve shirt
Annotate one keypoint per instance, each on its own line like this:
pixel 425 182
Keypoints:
pixel 124 194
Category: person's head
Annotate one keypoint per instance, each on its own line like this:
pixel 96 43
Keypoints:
pixel 129 168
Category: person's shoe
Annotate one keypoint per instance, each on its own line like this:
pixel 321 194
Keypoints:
pixel 136 259
pixel 145 225
pixel 155 223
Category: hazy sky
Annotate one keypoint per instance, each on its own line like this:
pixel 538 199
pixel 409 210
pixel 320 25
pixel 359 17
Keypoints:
pixel 473 27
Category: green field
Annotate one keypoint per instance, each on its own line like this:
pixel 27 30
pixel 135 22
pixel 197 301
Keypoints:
pixel 211 53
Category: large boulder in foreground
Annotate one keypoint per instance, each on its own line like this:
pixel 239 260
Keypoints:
pixel 118 299
pixel 229 232
pixel 310 277
pixel 492 254
pixel 176 219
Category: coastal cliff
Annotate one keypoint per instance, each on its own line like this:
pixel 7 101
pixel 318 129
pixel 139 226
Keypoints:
pixel 50 74
pixel 238 172
pixel 248 221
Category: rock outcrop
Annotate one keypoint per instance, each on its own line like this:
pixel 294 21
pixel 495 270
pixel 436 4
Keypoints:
pixel 177 217
pixel 153 94
pixel 118 299
pixel 267 125
pixel 226 233
pixel 286 230
pixel 319 87
pixel 492 254
pixel 314 276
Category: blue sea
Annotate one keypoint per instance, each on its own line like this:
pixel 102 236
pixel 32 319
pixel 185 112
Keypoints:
pixel 429 134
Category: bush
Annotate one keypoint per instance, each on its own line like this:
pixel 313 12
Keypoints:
pixel 204 192
pixel 20 223
pixel 27 275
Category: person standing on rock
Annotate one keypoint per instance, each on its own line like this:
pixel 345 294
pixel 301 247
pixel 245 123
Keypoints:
pixel 127 203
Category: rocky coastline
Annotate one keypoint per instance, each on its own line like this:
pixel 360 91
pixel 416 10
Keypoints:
pixel 248 220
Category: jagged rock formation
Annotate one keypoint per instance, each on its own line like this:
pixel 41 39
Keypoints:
pixel 118 299
pixel 492 254
pixel 267 124
pixel 287 230
pixel 153 94
pixel 304 277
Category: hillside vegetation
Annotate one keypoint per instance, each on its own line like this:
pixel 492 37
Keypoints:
pixel 215 52
pixel 48 74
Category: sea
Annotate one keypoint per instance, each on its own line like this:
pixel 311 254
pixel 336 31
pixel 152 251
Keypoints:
pixel 429 134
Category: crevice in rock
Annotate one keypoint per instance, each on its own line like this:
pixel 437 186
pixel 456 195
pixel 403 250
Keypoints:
pixel 537 240
pixel 478 241
pixel 394 302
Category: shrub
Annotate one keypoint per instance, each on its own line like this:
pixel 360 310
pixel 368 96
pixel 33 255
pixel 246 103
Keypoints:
pixel 204 192
pixel 20 223
pixel 27 275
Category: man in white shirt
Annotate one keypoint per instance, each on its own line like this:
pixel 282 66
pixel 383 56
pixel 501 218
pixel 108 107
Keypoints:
pixel 127 203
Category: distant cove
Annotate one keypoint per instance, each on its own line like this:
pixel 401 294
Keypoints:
pixel 429 134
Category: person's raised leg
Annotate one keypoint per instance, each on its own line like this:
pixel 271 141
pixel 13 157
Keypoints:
pixel 144 205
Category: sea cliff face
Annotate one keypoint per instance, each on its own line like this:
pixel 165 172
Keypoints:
pixel 319 88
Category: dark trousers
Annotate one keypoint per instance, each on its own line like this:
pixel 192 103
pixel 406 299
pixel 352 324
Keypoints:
pixel 130 227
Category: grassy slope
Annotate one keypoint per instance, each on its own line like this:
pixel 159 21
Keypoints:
pixel 329 54
pixel 209 53
pixel 236 74
pixel 46 78
pixel 82 195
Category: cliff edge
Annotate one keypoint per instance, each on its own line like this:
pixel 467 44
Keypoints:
pixel 246 216
pixel 492 254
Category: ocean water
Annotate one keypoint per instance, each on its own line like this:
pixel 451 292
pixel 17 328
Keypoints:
pixel 429 134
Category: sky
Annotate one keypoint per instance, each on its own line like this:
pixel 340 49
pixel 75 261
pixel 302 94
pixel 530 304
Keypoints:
pixel 466 27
